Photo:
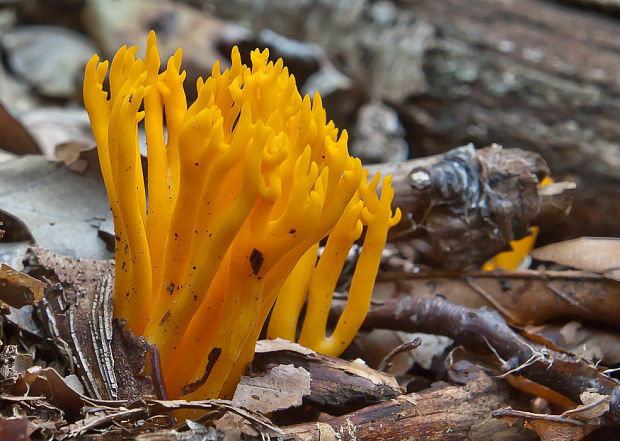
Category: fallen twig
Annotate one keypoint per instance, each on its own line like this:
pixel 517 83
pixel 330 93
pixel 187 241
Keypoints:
pixel 152 408
pixel 482 329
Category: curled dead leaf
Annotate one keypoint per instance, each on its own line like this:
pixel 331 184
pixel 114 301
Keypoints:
pixel 19 289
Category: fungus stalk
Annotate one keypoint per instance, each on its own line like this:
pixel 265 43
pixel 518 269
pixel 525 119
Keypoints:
pixel 247 182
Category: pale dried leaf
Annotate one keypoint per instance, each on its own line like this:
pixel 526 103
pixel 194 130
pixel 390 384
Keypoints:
pixel 598 254
pixel 594 405
pixel 282 388
pixel 23 319
pixel 279 344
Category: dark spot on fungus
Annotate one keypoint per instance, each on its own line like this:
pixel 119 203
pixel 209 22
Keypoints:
pixel 292 231
pixel 170 288
pixel 163 319
pixel 256 260
pixel 212 357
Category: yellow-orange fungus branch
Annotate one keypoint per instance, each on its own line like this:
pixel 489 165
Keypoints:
pixel 242 186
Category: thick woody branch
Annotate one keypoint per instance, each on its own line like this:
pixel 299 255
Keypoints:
pixel 468 204
pixel 484 330
pixel 442 413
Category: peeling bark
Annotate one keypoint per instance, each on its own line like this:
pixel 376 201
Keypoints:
pixel 441 413
pixel 78 312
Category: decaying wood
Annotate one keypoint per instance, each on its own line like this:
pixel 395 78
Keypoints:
pixel 522 297
pixel 336 386
pixel 78 312
pixel 441 413
pixel 466 205
pixel 484 330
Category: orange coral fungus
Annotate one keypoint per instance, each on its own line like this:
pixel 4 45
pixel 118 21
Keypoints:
pixel 248 180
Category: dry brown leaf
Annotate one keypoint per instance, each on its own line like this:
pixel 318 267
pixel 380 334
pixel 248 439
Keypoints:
pixel 522 297
pixel 108 358
pixel 16 429
pixel 46 382
pixel 283 387
pixel 598 254
pixel 556 431
pixel 61 133
pixel 594 406
pixel 14 137
pixel 522 383
pixel 19 289
pixel 573 424
pixel 548 427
